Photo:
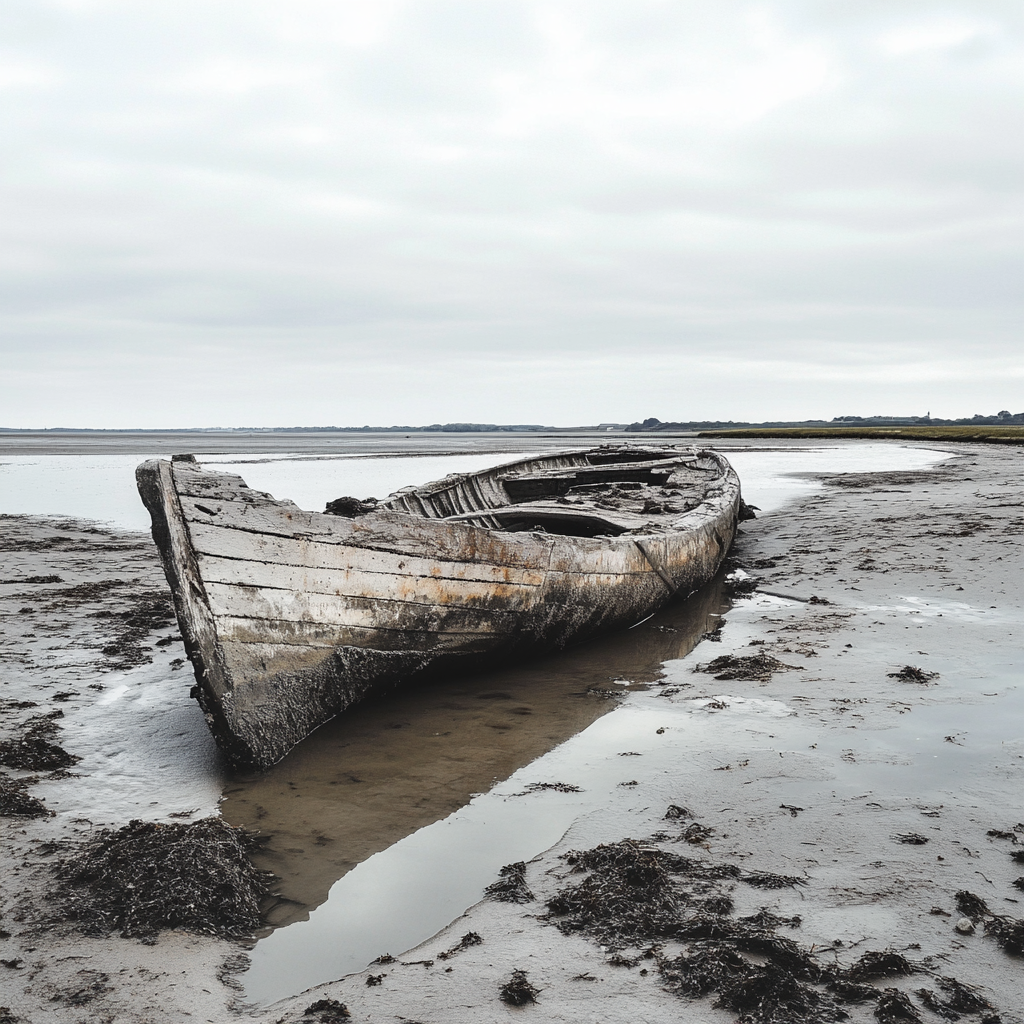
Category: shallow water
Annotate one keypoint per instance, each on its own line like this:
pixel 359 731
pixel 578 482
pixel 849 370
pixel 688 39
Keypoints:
pixel 102 487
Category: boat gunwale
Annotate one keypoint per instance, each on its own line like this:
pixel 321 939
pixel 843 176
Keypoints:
pixel 339 526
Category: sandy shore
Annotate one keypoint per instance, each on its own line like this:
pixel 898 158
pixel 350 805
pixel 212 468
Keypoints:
pixel 878 793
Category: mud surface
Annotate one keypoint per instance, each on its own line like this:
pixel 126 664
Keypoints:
pixel 894 601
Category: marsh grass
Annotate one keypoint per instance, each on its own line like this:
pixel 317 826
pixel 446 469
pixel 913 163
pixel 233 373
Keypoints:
pixel 979 434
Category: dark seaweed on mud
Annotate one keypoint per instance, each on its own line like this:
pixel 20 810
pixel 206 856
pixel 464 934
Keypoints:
pixel 468 940
pixel 757 668
pixel 518 991
pixel 956 999
pixel 147 876
pixel 913 674
pixel 32 748
pixel 150 611
pixel 511 885
pixel 636 895
pixel 17 802
pixel 1007 931
pixel 327 1011
pixel 884 964
pixel 895 1007
pixel 143 612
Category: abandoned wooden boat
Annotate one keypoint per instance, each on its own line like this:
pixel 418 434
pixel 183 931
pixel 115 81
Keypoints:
pixel 289 617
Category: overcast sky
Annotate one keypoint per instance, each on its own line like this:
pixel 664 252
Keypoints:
pixel 227 212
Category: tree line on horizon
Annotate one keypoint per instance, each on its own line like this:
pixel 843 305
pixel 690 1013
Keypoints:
pixel 1002 418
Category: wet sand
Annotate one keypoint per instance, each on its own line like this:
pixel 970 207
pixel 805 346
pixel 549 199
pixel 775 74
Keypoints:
pixel 815 773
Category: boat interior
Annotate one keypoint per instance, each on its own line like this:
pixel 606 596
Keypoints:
pixel 600 492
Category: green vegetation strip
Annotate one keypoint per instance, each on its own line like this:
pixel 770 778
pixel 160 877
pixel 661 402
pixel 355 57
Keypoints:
pixel 982 435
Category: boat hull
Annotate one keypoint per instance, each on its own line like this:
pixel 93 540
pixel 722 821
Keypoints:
pixel 289 617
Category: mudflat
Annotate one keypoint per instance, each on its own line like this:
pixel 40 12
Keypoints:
pixel 817 812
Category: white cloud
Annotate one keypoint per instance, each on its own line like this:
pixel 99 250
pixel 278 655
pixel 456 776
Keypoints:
pixel 16 73
pixel 227 76
pixel 939 34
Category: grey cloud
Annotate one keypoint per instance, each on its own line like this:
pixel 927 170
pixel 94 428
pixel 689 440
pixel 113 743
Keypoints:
pixel 535 209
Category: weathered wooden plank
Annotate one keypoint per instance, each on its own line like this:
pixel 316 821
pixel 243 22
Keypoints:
pixel 288 632
pixel 426 585
pixel 191 481
pixel 581 554
pixel 380 586
pixel 265 603
pixel 223 542
pixel 156 487
pixel 395 532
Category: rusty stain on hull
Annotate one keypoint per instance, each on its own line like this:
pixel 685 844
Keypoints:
pixel 290 616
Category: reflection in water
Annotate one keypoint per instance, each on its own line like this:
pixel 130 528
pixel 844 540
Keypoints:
pixel 393 765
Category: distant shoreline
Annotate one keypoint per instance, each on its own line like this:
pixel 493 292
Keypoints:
pixel 979 434
pixel 845 425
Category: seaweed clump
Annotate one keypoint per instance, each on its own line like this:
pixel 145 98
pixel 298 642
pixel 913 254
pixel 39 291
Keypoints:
pixel 757 668
pixel 147 876
pixel 351 508
pixel 913 674
pixel 884 964
pixel 1007 931
pixel 629 894
pixel 467 940
pixel 518 991
pixel 327 1011
pixel 636 895
pixel 780 989
pixel 34 750
pixel 17 802
pixel 557 787
pixel 959 998
pixel 894 1007
pixel 511 885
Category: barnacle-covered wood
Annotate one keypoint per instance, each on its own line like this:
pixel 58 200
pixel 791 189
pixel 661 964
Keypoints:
pixel 290 616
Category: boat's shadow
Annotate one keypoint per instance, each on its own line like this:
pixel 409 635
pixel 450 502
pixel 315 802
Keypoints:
pixel 410 757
